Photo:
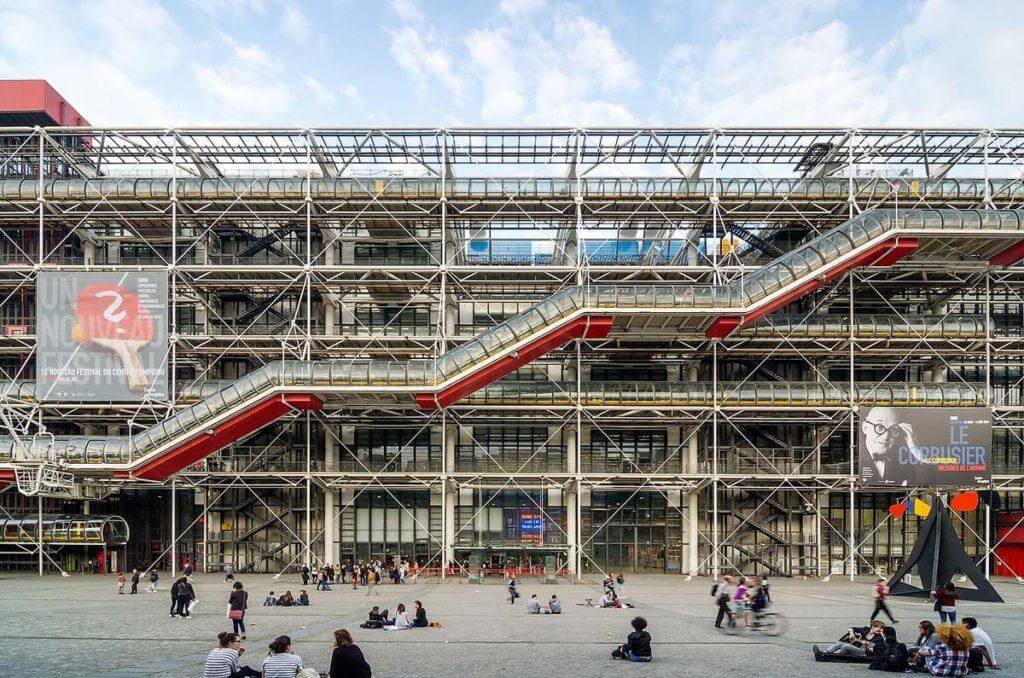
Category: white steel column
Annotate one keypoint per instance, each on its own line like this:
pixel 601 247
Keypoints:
pixel 330 503
pixel 449 497
pixel 692 497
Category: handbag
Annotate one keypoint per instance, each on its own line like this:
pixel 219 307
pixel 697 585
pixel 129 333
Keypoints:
pixel 236 614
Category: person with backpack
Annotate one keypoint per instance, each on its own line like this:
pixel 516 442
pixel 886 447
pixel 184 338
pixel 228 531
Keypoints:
pixel 881 594
pixel 890 655
pixel 722 592
pixel 186 598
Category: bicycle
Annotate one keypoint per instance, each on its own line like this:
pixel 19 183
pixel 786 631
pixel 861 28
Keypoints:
pixel 768 623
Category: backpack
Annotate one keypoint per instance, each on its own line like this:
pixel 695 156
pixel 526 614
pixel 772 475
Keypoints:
pixel 714 590
pixel 894 659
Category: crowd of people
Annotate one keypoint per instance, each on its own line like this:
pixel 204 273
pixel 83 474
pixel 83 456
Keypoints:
pixel 366 574
pixel 744 598
pixel 949 649
pixel 281 660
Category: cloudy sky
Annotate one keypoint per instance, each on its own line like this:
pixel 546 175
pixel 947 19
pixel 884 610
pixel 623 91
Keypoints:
pixel 524 62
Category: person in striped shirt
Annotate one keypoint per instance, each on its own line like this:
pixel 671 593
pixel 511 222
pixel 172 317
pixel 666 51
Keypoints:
pixel 281 662
pixel 222 662
pixel 949 657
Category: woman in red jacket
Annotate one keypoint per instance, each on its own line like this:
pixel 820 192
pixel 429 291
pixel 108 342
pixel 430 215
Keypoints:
pixel 945 603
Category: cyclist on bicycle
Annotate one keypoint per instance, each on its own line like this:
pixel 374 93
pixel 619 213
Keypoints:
pixel 758 598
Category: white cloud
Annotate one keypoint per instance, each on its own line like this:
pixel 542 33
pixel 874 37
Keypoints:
pixel 568 72
pixel 319 93
pixel 407 10
pixel 352 95
pixel 519 8
pixel 792 65
pixel 427 64
pixel 236 7
pixel 128 47
pixel 749 78
pixel 294 23
pixel 249 86
pixel 503 96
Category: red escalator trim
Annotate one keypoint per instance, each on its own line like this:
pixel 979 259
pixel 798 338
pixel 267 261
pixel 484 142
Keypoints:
pixel 225 433
pixel 596 327
pixel 883 254
pixel 1011 255
pixel 6 477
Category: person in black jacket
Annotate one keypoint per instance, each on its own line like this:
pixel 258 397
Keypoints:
pixel 420 619
pixel 347 659
pixel 890 655
pixel 186 594
pixel 238 602
pixel 135 581
pixel 638 644
pixel 174 596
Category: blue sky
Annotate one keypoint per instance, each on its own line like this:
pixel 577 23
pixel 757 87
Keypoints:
pixel 523 62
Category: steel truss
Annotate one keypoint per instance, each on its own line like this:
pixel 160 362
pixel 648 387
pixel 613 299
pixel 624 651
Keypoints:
pixel 401 243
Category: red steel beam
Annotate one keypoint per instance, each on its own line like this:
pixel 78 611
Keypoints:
pixel 883 254
pixel 222 435
pixel 1011 255
pixel 580 328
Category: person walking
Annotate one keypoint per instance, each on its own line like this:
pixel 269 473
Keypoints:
pixel 512 593
pixel 722 591
pixel 121 581
pixel 881 594
pixel 945 603
pixel 305 575
pixel 186 597
pixel 153 579
pixel 372 579
pixel 238 603
pixel 347 659
pixel 135 582
pixel 229 572
pixel 175 588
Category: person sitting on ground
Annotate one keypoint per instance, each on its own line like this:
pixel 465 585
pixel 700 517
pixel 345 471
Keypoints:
pixel 637 647
pixel 419 619
pixel 891 655
pixel 607 599
pixel 347 659
pixel 270 600
pixel 857 645
pixel 281 662
pixel 983 653
pixel 303 598
pixel 376 619
pixel 286 599
pixel 926 640
pixel 620 604
pixel 555 605
pixel 400 622
pixel 533 605
pixel 949 657
pixel 222 662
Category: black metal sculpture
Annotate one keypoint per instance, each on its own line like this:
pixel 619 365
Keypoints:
pixel 938 555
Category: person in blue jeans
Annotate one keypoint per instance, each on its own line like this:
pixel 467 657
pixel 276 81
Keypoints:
pixel 637 647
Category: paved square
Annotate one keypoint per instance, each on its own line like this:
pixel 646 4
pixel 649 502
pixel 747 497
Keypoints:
pixel 79 626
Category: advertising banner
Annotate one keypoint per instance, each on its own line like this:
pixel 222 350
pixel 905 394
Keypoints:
pixel 101 337
pixel 924 446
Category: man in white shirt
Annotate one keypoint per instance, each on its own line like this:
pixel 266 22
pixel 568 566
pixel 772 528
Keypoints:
pixel 982 643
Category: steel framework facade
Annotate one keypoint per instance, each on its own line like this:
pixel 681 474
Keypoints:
pixel 655 448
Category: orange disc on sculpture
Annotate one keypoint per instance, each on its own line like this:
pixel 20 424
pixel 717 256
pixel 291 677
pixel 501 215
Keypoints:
pixel 965 501
pixel 897 510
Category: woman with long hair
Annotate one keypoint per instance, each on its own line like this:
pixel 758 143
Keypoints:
pixel 347 659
